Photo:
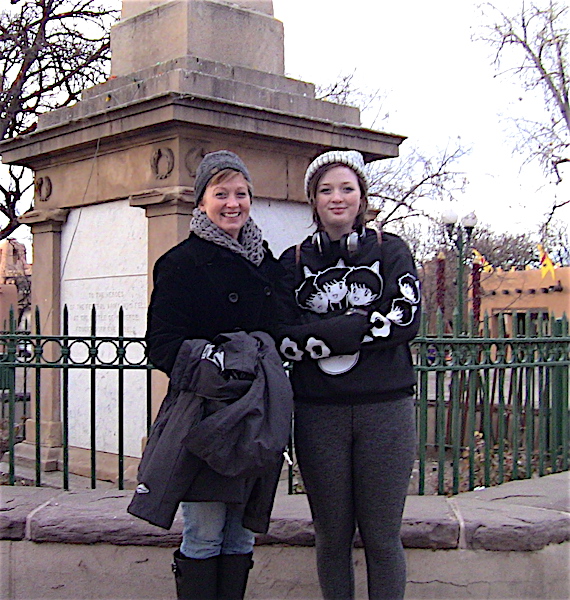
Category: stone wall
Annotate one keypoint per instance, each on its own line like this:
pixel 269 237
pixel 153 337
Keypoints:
pixel 512 541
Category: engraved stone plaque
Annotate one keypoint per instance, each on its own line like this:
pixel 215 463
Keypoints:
pixel 104 264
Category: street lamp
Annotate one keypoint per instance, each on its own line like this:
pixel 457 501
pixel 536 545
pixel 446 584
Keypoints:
pixel 459 235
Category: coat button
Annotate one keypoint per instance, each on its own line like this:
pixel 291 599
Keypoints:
pixel 267 290
pixel 233 297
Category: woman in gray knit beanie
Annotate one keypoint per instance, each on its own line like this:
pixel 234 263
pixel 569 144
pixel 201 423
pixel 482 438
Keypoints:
pixel 220 279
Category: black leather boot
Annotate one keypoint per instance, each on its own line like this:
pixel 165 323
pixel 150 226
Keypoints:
pixel 196 579
pixel 233 571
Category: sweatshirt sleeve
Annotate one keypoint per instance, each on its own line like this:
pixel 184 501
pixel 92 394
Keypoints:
pixel 396 317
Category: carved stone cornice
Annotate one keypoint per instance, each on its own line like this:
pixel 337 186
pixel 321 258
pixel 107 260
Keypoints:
pixel 176 200
pixel 164 195
pixel 45 219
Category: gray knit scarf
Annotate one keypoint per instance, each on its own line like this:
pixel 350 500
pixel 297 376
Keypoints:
pixel 250 244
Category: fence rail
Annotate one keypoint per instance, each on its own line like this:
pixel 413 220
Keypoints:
pixel 488 409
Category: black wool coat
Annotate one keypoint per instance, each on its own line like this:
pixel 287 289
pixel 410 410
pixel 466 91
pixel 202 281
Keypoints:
pixel 220 434
pixel 201 290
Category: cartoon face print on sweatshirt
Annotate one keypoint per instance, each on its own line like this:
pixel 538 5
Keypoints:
pixel 324 291
pixel 409 288
pixel 339 287
pixel 364 285
pixel 404 308
pixel 308 296
pixel 331 282
pixel 402 311
pixel 336 288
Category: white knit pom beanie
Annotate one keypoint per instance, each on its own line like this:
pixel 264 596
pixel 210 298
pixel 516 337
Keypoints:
pixel 350 158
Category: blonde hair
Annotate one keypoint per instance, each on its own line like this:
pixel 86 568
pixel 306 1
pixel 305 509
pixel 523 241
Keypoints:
pixel 225 175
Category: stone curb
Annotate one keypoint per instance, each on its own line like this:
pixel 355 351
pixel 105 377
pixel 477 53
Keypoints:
pixel 517 516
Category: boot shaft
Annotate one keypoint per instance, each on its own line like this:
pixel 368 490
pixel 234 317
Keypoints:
pixel 196 579
pixel 233 572
pixel 222 577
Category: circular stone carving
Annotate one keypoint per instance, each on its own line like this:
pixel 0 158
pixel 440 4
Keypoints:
pixel 162 162
pixel 43 188
pixel 193 158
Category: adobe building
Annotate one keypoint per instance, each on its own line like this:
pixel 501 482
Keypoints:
pixel 8 300
pixel 114 176
pixel 516 293
pixel 14 292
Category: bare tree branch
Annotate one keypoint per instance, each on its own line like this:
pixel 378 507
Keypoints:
pixel 401 188
pixel 398 187
pixel 534 46
pixel 50 51
pixel 345 91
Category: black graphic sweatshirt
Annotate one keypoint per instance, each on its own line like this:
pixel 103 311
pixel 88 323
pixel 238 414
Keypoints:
pixel 346 322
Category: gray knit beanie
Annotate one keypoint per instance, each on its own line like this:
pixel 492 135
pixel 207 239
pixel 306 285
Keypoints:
pixel 349 158
pixel 213 163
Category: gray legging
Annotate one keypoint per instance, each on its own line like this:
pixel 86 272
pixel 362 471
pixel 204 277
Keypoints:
pixel 356 461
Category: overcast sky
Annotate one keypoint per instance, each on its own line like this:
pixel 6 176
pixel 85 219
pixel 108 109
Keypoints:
pixel 440 86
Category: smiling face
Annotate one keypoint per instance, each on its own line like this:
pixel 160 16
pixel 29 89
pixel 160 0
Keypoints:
pixel 338 201
pixel 318 302
pixel 335 290
pixel 227 202
pixel 359 295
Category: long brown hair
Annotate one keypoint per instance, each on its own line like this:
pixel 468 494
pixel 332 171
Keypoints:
pixel 312 189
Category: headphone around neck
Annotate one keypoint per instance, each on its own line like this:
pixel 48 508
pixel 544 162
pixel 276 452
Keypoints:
pixel 350 243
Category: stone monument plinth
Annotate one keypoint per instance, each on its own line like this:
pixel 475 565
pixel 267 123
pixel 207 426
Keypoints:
pixel 115 173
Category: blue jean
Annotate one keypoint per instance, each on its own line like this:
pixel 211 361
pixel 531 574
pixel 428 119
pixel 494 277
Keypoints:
pixel 213 528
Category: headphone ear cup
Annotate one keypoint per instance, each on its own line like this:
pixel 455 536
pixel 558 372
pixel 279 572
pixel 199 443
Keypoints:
pixel 322 242
pixel 351 243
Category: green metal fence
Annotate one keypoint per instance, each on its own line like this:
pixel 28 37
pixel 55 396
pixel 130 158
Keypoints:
pixel 488 409
pixel 492 409
pixel 24 359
